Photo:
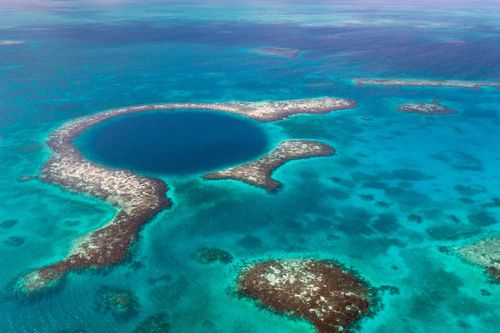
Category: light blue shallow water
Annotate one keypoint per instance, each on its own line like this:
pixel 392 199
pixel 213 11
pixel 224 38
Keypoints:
pixel 86 58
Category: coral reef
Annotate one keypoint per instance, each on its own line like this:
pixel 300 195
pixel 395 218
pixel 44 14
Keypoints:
pixel 485 253
pixel 137 198
pixel 259 172
pixel 331 298
pixel 433 108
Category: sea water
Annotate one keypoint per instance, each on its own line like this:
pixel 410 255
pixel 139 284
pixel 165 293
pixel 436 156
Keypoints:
pixel 357 207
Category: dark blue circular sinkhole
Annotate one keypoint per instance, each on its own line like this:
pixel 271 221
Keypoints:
pixel 173 142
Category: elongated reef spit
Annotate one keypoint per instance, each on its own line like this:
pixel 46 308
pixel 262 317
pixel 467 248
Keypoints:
pixel 136 198
pixel 426 83
pixel 259 172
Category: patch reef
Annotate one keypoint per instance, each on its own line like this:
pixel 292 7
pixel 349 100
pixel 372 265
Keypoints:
pixel 320 291
pixel 433 108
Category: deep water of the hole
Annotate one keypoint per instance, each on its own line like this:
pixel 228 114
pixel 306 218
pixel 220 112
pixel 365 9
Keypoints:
pixel 174 142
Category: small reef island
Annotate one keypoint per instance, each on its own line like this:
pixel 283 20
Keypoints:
pixel 258 173
pixel 138 198
pixel 484 253
pixel 433 108
pixel 320 291
pixel 11 42
pixel 283 52
pixel 426 83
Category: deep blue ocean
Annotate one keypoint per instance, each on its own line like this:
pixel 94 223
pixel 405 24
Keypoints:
pixel 358 207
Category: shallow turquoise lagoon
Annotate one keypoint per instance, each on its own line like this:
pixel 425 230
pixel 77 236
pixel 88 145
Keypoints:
pixel 357 207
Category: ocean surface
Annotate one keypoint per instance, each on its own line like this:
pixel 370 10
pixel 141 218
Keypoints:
pixel 399 188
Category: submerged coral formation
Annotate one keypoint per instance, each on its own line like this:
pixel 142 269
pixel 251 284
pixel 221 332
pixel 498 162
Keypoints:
pixel 330 297
pixel 207 255
pixel 157 323
pixel 485 253
pixel 433 108
pixel 121 303
pixel 259 172
pixel 137 198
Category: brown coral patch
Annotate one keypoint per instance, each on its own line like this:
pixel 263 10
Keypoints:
pixel 331 298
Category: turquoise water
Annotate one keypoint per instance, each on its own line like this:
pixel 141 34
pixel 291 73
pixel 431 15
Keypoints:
pixel 174 142
pixel 355 207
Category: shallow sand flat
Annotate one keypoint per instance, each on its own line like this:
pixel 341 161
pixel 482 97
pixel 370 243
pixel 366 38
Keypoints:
pixel 259 172
pixel 138 198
